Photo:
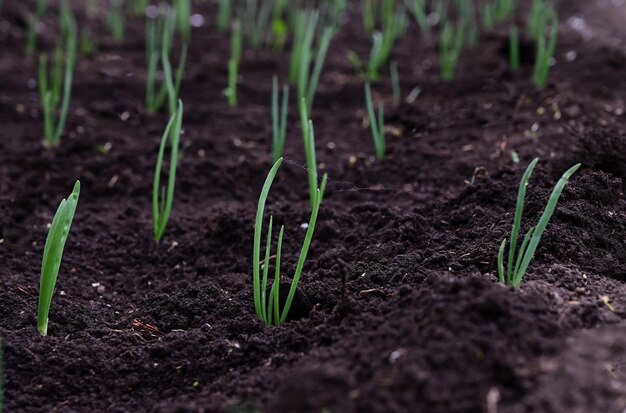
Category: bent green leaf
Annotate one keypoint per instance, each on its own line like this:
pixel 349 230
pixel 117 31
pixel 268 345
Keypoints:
pixel 52 255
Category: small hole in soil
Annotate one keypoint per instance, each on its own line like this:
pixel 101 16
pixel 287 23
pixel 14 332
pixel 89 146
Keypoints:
pixel 300 306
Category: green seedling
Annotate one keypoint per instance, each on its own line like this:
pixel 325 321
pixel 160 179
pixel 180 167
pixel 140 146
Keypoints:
pixel 233 64
pixel 159 39
pixel 162 198
pixel 519 260
pixel 487 16
pixel 440 8
pixel 115 21
pixel 503 9
pixel 450 47
pixel 300 71
pixel 183 14
pixel 52 255
pixel 138 7
pixel 418 9
pixel 268 308
pixel 546 46
pixel 224 12
pixel 88 45
pixel 32 24
pixel 514 48
pixel 395 83
pixel 307 79
pixel 538 19
pixel 308 137
pixel 279 28
pixel 383 42
pixel 368 13
pixel 304 29
pixel 55 83
pixel 255 21
pixel 377 123
pixel 336 10
pixel 279 119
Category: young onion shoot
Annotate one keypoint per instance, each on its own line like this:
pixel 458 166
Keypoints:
pixel 377 123
pixel 115 20
pixel 418 9
pixel 159 39
pixel 308 137
pixel 547 33
pixel 183 14
pixel 55 87
pixel 279 119
pixel 224 11
pixel 383 42
pixel 233 64
pixel 163 199
pixel 52 255
pixel 514 48
pixel 519 260
pixel 33 23
pixel 450 47
pixel 300 65
pixel 395 83
pixel 268 308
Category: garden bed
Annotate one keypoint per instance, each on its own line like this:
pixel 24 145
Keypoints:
pixel 422 324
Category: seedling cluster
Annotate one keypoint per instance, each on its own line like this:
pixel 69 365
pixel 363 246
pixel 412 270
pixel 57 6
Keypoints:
pixel 519 260
pixel 309 31
pixel 268 308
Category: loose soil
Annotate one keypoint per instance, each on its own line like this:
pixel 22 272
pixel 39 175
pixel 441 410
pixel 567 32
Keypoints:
pixel 423 325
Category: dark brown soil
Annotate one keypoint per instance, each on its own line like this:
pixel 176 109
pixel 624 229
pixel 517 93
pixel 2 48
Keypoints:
pixel 423 327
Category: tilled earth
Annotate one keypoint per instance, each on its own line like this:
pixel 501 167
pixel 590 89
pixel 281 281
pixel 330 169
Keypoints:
pixel 422 324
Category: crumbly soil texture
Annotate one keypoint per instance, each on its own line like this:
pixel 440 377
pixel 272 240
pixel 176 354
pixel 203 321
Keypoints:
pixel 399 307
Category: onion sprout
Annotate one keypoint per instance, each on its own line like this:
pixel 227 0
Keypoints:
pixel 55 87
pixel 159 38
pixel 32 23
pixel 138 7
pixel 183 14
pixel 280 29
pixel 547 29
pixel 383 43
pixel 514 48
pixel 233 64
pixel 395 83
pixel 450 47
pixel 368 12
pixel 224 11
pixel 519 260
pixel 418 10
pixel 377 123
pixel 268 308
pixel 163 199
pixel 115 21
pixel 52 255
pixel 279 119
pixel 301 57
pixel 308 137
